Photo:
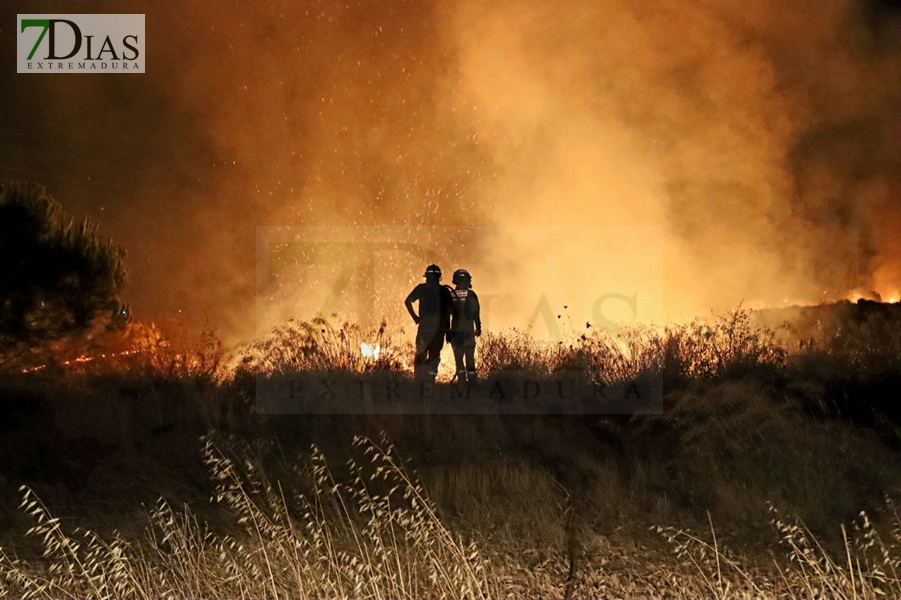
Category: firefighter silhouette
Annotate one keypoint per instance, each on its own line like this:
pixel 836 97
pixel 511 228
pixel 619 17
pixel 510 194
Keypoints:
pixel 466 325
pixel 433 320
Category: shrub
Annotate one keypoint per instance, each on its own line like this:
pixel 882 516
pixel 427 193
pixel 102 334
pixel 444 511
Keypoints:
pixel 55 277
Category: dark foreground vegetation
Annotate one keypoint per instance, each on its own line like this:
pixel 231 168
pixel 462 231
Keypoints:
pixel 769 469
pixel 56 276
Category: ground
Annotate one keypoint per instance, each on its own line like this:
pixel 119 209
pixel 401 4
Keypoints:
pixel 771 466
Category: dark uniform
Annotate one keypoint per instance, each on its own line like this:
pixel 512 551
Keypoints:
pixel 465 326
pixel 433 320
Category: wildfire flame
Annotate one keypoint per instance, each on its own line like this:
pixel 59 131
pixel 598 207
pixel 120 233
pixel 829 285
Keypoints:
pixel 81 359
pixel 890 296
pixel 370 351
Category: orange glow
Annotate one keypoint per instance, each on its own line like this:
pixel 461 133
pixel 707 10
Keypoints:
pixel 557 128
pixel 743 158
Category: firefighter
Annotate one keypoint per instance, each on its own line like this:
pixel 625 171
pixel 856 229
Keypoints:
pixel 466 325
pixel 433 321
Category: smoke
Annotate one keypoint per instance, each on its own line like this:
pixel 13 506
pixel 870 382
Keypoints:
pixel 678 158
pixel 758 142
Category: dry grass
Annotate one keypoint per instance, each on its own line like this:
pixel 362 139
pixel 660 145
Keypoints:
pixel 734 343
pixel 373 532
pixel 319 345
pixel 864 567
pixel 376 535
pixel 703 348
pixel 518 506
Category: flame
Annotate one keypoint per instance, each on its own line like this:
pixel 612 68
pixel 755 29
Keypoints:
pixel 886 294
pixel 81 359
pixel 370 351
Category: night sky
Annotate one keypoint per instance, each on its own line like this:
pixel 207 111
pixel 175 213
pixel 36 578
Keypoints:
pixel 761 139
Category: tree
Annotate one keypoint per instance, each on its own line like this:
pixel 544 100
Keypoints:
pixel 55 278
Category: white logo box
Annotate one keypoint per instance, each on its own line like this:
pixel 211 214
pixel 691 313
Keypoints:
pixel 63 43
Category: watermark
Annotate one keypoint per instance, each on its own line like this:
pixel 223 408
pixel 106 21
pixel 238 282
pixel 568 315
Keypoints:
pixel 521 392
pixel 548 291
pixel 107 43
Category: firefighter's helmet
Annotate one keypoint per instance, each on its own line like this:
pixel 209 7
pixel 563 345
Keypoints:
pixel 462 276
pixel 433 270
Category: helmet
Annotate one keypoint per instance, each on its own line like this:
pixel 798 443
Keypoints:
pixel 434 270
pixel 462 275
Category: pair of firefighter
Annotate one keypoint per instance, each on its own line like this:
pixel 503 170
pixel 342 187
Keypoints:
pixel 445 313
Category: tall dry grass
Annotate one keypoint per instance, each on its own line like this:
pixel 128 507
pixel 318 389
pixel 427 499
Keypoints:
pixel 375 534
pixel 320 345
pixel 866 566
pixel 702 348
pixel 369 529
pixel 733 343
pixel 734 435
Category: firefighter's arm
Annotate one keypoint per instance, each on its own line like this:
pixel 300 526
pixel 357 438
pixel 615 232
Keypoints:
pixel 447 306
pixel 409 304
pixel 476 314
pixel 448 313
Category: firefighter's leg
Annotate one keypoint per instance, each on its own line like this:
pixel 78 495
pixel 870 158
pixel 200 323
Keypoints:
pixel 434 355
pixel 458 358
pixel 469 353
pixel 420 359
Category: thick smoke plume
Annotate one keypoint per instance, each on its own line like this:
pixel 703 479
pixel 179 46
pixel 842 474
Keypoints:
pixel 682 157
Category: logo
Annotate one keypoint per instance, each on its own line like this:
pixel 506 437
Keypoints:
pixel 80 44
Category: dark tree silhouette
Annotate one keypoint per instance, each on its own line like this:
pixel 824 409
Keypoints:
pixel 56 278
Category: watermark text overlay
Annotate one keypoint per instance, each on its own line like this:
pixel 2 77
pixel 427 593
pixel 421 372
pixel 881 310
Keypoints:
pixel 66 43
